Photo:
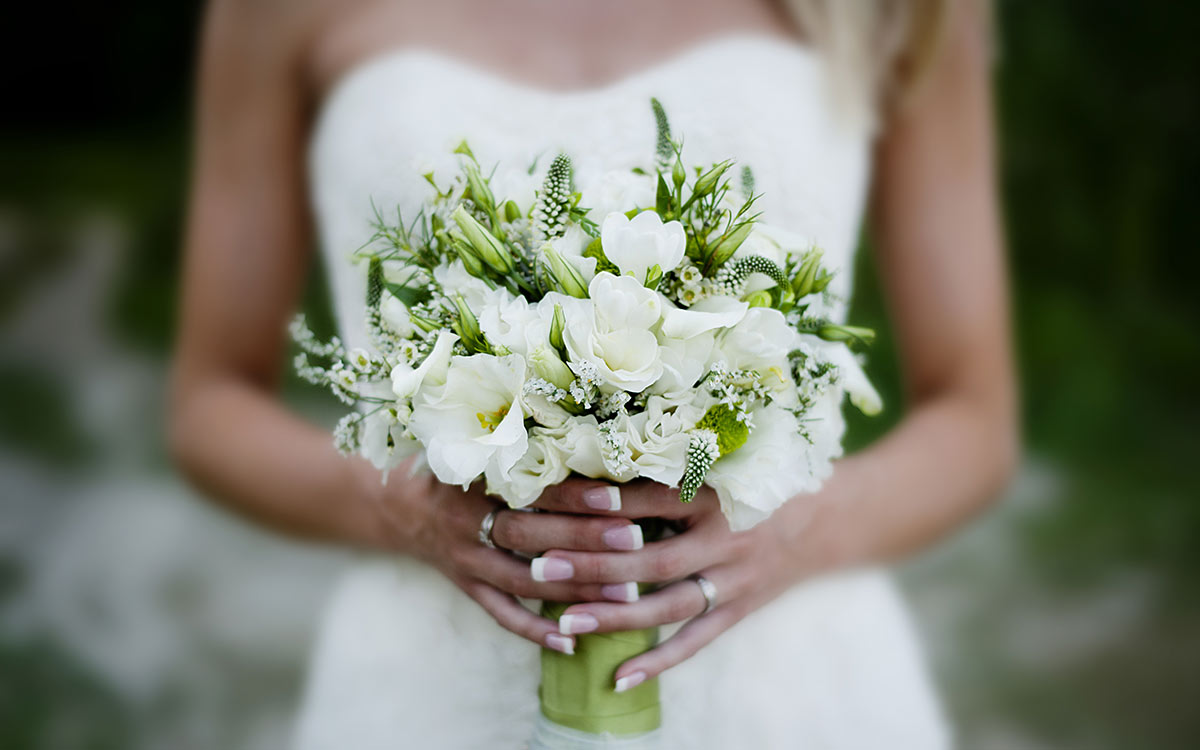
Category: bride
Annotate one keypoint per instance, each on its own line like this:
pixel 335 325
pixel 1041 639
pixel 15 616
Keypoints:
pixel 309 111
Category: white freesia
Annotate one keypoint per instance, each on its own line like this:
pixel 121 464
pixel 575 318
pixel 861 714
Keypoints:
pixel 636 244
pixel 613 330
pixel 757 478
pixel 474 420
pixel 543 464
pixel 406 379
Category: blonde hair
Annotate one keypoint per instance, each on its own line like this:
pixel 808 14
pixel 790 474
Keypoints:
pixel 878 49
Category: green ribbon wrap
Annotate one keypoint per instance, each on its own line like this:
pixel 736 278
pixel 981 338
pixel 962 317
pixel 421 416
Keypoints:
pixel 577 690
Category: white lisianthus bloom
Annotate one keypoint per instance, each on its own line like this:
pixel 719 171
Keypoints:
pixel 474 420
pixel 543 464
pixel 395 315
pixel 708 314
pixel 384 442
pixel 584 455
pixel 406 379
pixel 613 330
pixel 636 244
pixel 754 480
pixel 511 322
pixel 619 191
pixel 659 438
pixel 454 279
pixel 761 342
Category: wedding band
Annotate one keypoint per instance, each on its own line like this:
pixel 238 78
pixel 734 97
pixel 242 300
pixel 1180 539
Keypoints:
pixel 708 590
pixel 485 529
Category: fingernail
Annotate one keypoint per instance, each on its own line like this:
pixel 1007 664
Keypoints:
pixel 624 537
pixel 603 498
pixel 580 623
pixel 551 569
pixel 620 592
pixel 560 643
pixel 630 681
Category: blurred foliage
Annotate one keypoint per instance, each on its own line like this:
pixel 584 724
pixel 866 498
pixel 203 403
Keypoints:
pixel 1098 116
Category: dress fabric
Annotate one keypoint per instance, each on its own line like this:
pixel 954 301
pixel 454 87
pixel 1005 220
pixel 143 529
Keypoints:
pixel 404 659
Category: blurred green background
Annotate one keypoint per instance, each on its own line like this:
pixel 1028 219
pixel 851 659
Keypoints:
pixel 1065 618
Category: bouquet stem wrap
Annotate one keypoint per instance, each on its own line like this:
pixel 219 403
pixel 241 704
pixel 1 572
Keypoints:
pixel 577 690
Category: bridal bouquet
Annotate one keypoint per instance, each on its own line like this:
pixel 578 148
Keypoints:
pixel 649 325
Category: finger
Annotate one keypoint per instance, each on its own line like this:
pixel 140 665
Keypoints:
pixel 527 579
pixel 673 603
pixel 693 636
pixel 657 562
pixel 638 499
pixel 513 617
pixel 535 533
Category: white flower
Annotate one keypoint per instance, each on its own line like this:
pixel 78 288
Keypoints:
pixel 395 315
pixel 543 464
pixel 659 439
pixel 454 279
pixel 761 342
pixel 619 191
pixel 757 478
pixel 475 420
pixel 406 379
pixel 613 331
pixel 584 455
pixel 511 322
pixel 850 375
pixel 636 244
pixel 571 247
pixel 708 314
pixel 384 441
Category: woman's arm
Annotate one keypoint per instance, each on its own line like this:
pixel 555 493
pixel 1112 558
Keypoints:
pixel 937 229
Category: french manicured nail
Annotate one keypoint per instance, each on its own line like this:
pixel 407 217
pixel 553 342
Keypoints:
pixel 603 498
pixel 630 681
pixel 560 643
pixel 551 569
pixel 581 623
pixel 624 537
pixel 620 592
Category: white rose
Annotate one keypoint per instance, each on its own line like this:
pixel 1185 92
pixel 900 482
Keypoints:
pixel 406 379
pixel 543 464
pixel 636 244
pixel 757 478
pixel 474 420
pixel 613 330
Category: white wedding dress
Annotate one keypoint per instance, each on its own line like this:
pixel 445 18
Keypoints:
pixel 405 659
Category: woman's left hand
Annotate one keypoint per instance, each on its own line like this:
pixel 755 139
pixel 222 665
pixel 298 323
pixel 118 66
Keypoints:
pixel 747 569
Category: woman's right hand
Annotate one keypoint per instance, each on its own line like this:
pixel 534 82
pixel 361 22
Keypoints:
pixel 440 524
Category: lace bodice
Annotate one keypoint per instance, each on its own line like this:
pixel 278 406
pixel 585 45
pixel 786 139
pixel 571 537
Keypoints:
pixel 760 100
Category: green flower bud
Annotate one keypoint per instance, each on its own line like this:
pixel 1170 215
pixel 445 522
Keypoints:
pixel 678 173
pixel 480 192
pixel 466 254
pixel 550 367
pixel 565 277
pixel 491 250
pixel 708 181
pixel 654 275
pixel 851 335
pixel 761 298
pixel 425 324
pixel 467 327
pixel 804 281
pixel 728 243
pixel 557 324
pixel 512 211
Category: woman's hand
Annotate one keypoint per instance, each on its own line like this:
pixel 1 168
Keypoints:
pixel 440 525
pixel 747 568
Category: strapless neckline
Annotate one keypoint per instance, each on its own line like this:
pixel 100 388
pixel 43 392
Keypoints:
pixel 478 70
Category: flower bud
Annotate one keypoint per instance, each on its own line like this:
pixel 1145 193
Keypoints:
pixel 550 367
pixel 708 181
pixel 851 335
pixel 467 255
pixel 804 280
pixel 512 211
pixel 654 275
pixel 557 324
pixel 678 174
pixel 565 277
pixel 728 243
pixel 761 298
pixel 480 192
pixel 491 250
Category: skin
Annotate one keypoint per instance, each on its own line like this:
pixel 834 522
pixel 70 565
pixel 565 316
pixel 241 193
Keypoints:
pixel 934 221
